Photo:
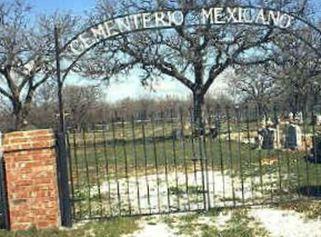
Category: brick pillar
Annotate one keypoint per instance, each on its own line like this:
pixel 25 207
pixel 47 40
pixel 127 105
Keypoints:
pixel 31 176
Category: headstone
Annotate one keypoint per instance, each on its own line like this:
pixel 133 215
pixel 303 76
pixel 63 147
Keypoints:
pixel 277 119
pixel 187 126
pixel 217 122
pixel 214 132
pixel 269 122
pixel 318 120
pixel 268 137
pixel 316 149
pixel 277 139
pixel 178 134
pixel 258 141
pixel 299 117
pixel 293 137
pixel 263 122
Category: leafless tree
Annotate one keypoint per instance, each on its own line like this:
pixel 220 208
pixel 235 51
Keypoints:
pixel 44 107
pixel 195 56
pixel 251 84
pixel 26 56
pixel 80 101
pixel 296 72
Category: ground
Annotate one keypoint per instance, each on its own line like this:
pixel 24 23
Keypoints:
pixel 260 222
pixel 286 220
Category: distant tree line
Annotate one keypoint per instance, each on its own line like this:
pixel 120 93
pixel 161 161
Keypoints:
pixel 86 105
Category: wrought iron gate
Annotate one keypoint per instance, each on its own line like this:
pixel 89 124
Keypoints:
pixel 129 167
pixel 4 216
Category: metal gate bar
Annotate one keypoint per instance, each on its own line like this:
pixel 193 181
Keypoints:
pixel 157 165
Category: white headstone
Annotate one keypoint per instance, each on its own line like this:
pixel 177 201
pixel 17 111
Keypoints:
pixel 263 123
pixel 269 122
pixel 318 120
pixel 277 139
pixel 299 117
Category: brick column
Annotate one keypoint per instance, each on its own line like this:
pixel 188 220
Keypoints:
pixel 31 176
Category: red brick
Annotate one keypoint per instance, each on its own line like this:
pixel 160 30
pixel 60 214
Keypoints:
pixel 32 180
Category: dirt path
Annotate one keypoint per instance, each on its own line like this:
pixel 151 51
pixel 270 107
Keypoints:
pixel 271 222
pixel 287 223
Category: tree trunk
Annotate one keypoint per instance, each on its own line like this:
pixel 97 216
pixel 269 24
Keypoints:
pixel 18 118
pixel 20 113
pixel 198 107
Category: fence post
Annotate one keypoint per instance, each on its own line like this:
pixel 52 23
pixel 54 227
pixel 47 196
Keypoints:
pixel 31 179
pixel 3 193
pixel 63 184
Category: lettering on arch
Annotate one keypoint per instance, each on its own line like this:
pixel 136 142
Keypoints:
pixel 170 19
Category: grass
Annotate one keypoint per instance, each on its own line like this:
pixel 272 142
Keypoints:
pixel 310 209
pixel 186 225
pixel 111 228
pixel 182 190
pixel 239 225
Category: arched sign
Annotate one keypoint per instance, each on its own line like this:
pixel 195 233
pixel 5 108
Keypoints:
pixel 175 18
pixel 167 19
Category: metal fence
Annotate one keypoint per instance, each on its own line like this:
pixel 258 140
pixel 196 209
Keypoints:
pixel 4 219
pixel 128 167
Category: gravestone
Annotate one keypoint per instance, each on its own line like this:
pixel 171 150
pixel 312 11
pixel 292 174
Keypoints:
pixel 318 120
pixel 187 126
pixel 269 122
pixel 217 122
pixel 214 132
pixel 263 122
pixel 277 138
pixel 178 134
pixel 299 117
pixel 293 137
pixel 276 119
pixel 315 156
pixel 268 137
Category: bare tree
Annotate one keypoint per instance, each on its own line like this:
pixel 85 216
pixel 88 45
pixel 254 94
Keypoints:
pixel 251 84
pixel 79 101
pixel 194 56
pixel 44 107
pixel 23 59
pixel 26 56
pixel 296 72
